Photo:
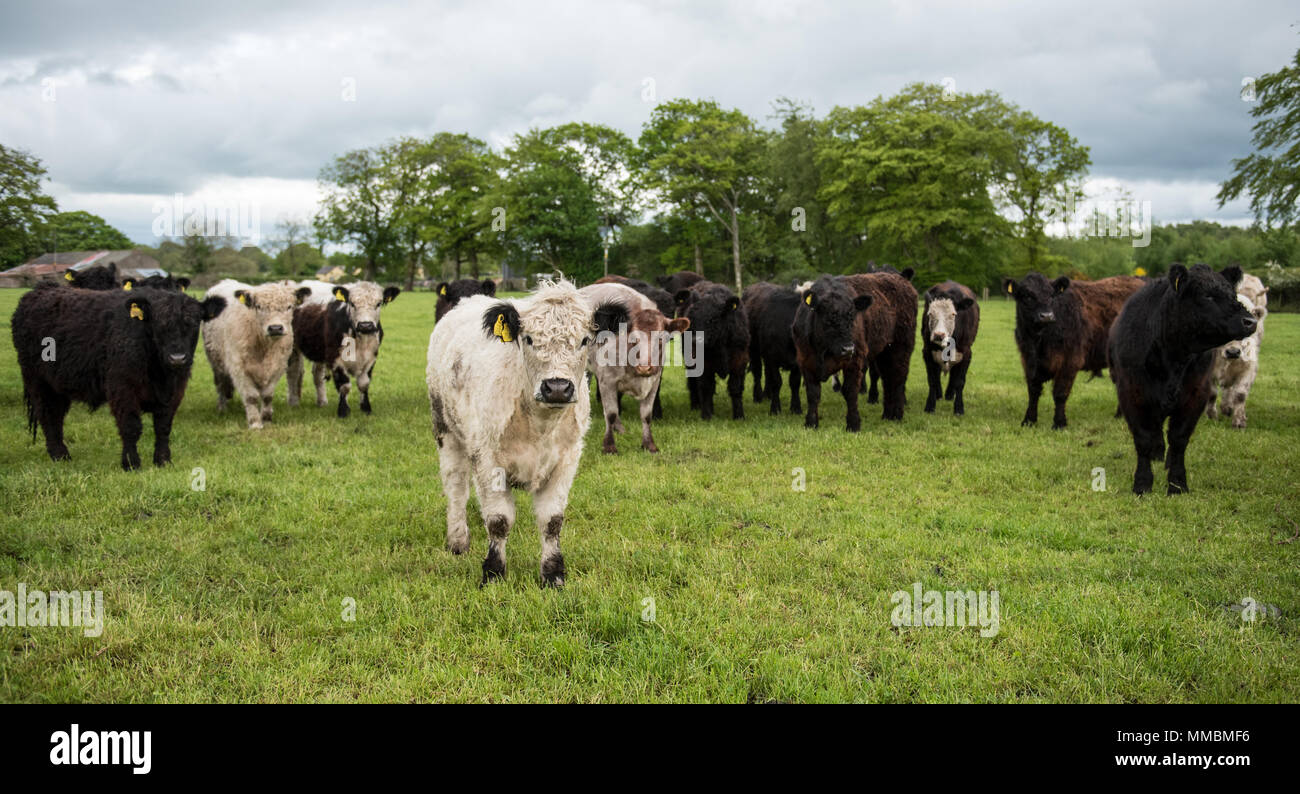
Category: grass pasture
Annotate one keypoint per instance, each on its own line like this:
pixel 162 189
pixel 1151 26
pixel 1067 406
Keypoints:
pixel 761 592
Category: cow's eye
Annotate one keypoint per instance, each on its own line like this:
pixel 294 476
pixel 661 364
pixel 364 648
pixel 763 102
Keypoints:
pixel 528 340
pixel 586 340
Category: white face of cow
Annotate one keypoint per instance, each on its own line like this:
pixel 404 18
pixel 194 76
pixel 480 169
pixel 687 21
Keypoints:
pixel 1247 349
pixel 942 315
pixel 552 332
pixel 272 304
pixel 364 300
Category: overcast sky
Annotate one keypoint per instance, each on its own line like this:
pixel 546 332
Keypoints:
pixel 129 103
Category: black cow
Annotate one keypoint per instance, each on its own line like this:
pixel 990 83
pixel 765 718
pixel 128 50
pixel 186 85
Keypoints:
pixel 99 277
pixel 155 281
pixel 948 328
pixel 450 293
pixel 1061 330
pixel 845 323
pixel 674 283
pixel 132 350
pixel 1161 351
pixel 719 320
pixel 771 309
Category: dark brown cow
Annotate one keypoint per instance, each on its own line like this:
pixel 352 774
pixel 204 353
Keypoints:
pixel 1061 329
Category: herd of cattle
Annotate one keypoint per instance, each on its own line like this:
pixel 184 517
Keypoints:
pixel 508 379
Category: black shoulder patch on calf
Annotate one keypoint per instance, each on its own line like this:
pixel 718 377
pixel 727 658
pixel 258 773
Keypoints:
pixel 609 316
pixel 501 321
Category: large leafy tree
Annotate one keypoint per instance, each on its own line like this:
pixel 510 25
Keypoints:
pixel 459 218
pixel 912 174
pixel 362 195
pixel 81 231
pixel 1042 176
pixel 1271 175
pixel 24 209
pixel 701 157
pixel 551 212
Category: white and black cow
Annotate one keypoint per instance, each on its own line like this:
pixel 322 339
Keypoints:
pixel 510 409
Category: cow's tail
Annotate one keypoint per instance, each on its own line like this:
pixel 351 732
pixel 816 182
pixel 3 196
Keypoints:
pixel 31 412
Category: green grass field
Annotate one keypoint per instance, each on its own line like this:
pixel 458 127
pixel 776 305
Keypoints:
pixel 761 592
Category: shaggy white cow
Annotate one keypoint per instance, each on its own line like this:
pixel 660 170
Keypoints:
pixel 248 345
pixel 630 361
pixel 510 408
pixel 1235 367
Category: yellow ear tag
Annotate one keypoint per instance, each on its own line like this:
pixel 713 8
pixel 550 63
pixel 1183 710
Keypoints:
pixel 443 292
pixel 126 286
pixel 136 312
pixel 338 295
pixel 808 299
pixel 1177 281
pixel 243 298
pixel 1010 289
pixel 501 330
pixel 68 275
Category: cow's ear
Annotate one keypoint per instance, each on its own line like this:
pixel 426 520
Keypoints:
pixel 733 303
pixel 391 293
pixel 1260 312
pixel 138 309
pixel 678 325
pixel 1233 274
pixel 609 316
pixel 1060 285
pixel 907 273
pixel 861 302
pixel 442 289
pixel 301 294
pixel 1177 275
pixel 965 303
pixel 1009 286
pixel 489 287
pixel 682 296
pixel 128 284
pixel 342 294
pixel 501 321
pixel 245 297
pixel 212 306
pixel 183 283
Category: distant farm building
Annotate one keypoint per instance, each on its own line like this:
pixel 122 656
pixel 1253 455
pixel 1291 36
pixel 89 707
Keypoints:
pixel 51 267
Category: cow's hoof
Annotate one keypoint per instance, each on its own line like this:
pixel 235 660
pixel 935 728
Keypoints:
pixel 458 547
pixel 1060 426
pixel 60 453
pixel 958 412
pixel 1028 422
pixel 650 447
pixel 553 571
pixel 1173 489
pixel 929 408
pixel 609 449
pixel 493 568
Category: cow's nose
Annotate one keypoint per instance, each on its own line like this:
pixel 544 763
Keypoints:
pixel 645 371
pixel 1047 317
pixel 1232 352
pixel 1248 324
pixel 847 350
pixel 557 390
pixel 177 359
pixel 275 330
pixel 366 327
pixel 939 336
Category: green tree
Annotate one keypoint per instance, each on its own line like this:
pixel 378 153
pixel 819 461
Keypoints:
pixel 362 195
pixel 81 231
pixel 699 156
pixel 1042 176
pixel 24 209
pixel 197 254
pixel 1271 175
pixel 459 215
pixel 911 175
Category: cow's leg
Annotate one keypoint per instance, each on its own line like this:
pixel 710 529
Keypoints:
pixel 1147 442
pixel 647 413
pixel 129 427
pixel 453 466
pixel 498 506
pixel 736 390
pixel 225 389
pixel 957 383
pixel 851 388
pixel 659 408
pixel 706 386
pixel 1031 410
pixel 893 384
pixel 1211 408
pixel 1061 387
pixel 693 389
pixel 814 389
pixel 1240 391
pixel 344 386
pixel 268 394
pixel 932 377
pixel 50 409
pixel 549 503
pixel 294 378
pixel 162 433
pixel 320 374
pixel 873 393
pixel 773 373
pixel 795 385
pixel 251 396
pixel 1182 423
pixel 363 383
pixel 756 367
pixel 608 387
